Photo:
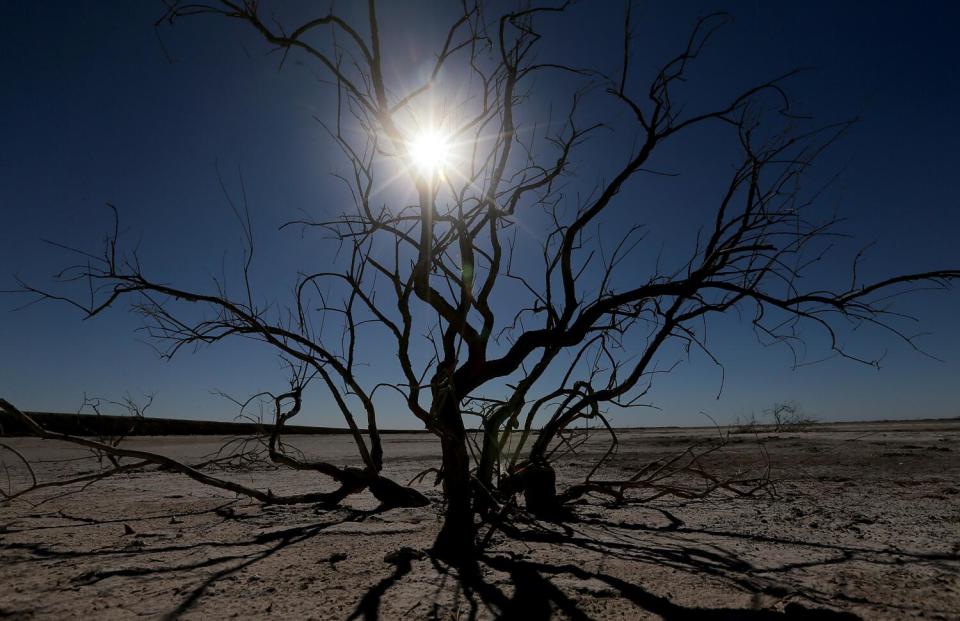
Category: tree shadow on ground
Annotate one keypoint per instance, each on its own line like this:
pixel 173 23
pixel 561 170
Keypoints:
pixel 532 592
pixel 507 584
pixel 243 553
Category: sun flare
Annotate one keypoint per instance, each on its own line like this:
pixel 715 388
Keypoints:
pixel 429 151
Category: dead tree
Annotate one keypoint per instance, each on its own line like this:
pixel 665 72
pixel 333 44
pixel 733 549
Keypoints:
pixel 515 335
pixel 788 416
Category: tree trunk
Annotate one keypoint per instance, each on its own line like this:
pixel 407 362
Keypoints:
pixel 537 481
pixel 539 449
pixel 489 454
pixel 491 442
pixel 455 542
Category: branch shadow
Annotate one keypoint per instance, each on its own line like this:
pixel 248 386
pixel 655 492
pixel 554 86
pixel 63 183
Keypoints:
pixel 532 591
pixel 506 584
pixel 248 551
pixel 369 605
pixel 74 521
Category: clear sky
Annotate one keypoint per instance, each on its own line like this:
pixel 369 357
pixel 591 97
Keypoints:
pixel 93 111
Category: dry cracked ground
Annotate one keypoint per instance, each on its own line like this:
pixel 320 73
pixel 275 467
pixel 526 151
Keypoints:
pixel 865 523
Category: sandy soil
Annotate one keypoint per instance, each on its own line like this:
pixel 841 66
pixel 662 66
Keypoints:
pixel 865 524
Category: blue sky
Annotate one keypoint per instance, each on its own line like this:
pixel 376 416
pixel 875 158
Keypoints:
pixel 93 112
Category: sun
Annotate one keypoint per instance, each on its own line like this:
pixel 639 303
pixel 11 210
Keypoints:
pixel 429 151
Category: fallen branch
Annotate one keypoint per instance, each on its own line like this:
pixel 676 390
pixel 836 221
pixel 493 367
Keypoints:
pixel 667 477
pixel 352 480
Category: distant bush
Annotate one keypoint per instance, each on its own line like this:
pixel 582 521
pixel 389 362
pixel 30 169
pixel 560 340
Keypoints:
pixel 781 416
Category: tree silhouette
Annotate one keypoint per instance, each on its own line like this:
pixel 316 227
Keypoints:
pixel 483 325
